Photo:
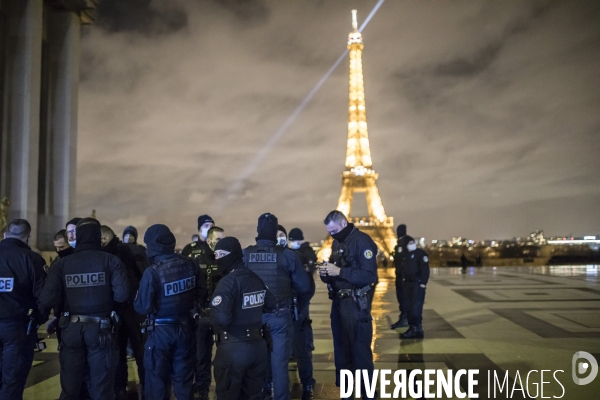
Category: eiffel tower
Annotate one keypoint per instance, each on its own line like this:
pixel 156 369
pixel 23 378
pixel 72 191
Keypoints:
pixel 359 177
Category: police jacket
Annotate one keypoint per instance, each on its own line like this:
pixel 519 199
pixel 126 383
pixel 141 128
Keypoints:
pixel 124 253
pixel 170 288
pixel 88 282
pixel 356 258
pixel 21 280
pixel 239 301
pixel 416 266
pixel 307 258
pixel 401 252
pixel 279 268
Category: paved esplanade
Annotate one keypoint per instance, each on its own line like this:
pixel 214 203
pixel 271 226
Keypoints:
pixel 529 318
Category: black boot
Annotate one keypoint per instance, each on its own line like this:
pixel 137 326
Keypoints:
pixel 268 391
pixel 121 394
pixel 203 394
pixel 415 332
pixel 307 392
pixel 401 323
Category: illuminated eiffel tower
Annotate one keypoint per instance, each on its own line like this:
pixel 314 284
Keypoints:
pixel 359 177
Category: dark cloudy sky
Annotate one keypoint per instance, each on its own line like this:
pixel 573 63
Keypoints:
pixel 484 116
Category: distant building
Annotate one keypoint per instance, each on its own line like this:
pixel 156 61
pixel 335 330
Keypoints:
pixel 39 65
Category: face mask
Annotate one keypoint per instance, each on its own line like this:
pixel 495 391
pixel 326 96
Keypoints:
pixel 73 243
pixel 295 245
pixel 204 233
pixel 65 252
pixel 281 241
pixel 412 247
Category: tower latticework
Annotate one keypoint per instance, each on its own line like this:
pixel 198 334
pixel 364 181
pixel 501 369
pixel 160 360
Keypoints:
pixel 359 176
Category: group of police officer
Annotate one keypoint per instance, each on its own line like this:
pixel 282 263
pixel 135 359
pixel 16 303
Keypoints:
pixel 254 303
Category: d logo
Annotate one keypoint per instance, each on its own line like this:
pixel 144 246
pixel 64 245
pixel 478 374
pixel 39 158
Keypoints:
pixel 582 367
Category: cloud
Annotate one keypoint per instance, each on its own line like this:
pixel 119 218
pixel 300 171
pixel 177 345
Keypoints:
pixel 470 105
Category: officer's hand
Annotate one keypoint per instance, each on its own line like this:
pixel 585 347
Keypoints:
pixel 423 286
pixel 332 270
pixel 51 326
pixel 322 266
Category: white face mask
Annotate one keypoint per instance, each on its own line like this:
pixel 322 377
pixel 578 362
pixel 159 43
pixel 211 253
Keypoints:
pixel 73 243
pixel 412 247
pixel 295 245
pixel 204 233
pixel 281 241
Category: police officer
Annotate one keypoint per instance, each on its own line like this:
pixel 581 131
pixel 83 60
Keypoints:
pixel 236 313
pixel 71 227
pixel 303 335
pixel 21 279
pixel 351 276
pixel 87 284
pixel 169 293
pixel 281 271
pixel 129 329
pixel 416 276
pixel 204 333
pixel 399 263
pixel 302 248
pixel 130 236
pixel 198 248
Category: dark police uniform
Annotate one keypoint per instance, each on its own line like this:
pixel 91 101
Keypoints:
pixel 303 343
pixel 399 265
pixel 21 279
pixel 129 329
pixel 352 293
pixel 236 312
pixel 415 273
pixel 281 271
pixel 170 289
pixel 204 257
pixel 87 283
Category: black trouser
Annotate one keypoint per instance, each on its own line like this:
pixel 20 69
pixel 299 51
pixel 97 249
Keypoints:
pixel 302 349
pixel 87 348
pixel 204 344
pixel 240 370
pixel 169 357
pixel 129 330
pixel 415 296
pixel 352 334
pixel 16 356
pixel 400 295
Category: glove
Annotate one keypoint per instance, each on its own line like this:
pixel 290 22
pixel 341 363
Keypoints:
pixel 52 326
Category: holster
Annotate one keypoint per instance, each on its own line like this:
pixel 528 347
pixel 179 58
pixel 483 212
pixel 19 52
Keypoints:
pixel 64 319
pixel 330 292
pixel 295 315
pixel 267 336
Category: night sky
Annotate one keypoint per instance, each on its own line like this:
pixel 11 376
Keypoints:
pixel 483 116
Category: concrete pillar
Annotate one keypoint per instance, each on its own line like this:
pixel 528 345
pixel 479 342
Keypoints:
pixel 63 36
pixel 20 130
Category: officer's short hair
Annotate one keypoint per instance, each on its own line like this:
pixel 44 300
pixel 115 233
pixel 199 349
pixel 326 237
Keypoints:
pixel 18 229
pixel 107 231
pixel 213 230
pixel 335 216
pixel 62 234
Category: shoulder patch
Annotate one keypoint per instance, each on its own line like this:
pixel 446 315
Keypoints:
pixel 426 259
pixel 217 300
pixel 368 254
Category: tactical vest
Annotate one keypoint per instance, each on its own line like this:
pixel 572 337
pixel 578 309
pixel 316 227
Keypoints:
pixel 88 288
pixel 267 262
pixel 248 306
pixel 177 283
pixel 341 258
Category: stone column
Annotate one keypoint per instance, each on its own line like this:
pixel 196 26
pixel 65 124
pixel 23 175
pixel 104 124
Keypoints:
pixel 20 134
pixel 63 36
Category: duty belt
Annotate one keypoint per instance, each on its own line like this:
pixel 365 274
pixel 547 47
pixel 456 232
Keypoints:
pixel 344 293
pixel 172 321
pixel 241 336
pixel 86 318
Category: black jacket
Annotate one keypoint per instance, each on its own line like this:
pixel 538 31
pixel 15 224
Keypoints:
pixel 356 256
pixel 89 281
pixel 239 301
pixel 21 280
pixel 416 266
pixel 124 253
